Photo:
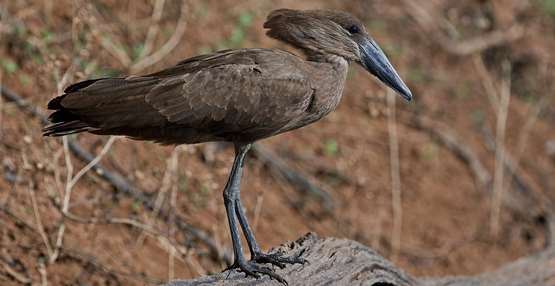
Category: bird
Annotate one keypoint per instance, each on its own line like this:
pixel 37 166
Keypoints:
pixel 234 95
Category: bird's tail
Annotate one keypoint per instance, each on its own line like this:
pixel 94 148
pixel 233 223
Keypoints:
pixel 62 121
pixel 114 105
pixel 66 127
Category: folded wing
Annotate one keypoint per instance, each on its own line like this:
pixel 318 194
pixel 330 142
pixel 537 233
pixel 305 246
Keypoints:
pixel 232 95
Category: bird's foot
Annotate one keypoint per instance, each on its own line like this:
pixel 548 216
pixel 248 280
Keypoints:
pixel 252 268
pixel 278 259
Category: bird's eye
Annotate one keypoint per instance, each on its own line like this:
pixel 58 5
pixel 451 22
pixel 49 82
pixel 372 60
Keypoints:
pixel 353 29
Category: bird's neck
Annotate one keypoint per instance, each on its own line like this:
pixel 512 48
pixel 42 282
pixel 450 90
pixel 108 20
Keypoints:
pixel 339 63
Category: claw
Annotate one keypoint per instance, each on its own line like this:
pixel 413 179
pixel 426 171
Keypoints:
pixel 278 259
pixel 251 268
pixel 269 258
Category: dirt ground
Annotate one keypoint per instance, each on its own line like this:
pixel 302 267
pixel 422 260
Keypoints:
pixel 462 60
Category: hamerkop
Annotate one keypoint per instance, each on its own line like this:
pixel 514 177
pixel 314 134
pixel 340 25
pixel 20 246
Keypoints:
pixel 239 96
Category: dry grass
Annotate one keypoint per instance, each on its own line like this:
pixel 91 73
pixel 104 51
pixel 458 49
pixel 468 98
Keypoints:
pixel 501 126
pixel 396 193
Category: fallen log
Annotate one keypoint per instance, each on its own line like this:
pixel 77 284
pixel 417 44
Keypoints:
pixel 333 261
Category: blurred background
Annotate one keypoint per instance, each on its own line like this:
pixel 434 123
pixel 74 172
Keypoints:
pixel 457 182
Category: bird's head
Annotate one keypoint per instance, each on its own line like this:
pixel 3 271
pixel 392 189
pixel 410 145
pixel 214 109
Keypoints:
pixel 321 32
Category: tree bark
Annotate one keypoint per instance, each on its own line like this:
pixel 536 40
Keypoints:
pixel 333 261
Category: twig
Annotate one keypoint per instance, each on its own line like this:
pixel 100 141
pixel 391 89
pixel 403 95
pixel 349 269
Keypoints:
pixel 114 178
pixel 166 242
pixel 22 103
pixel 487 82
pixel 119 53
pixel 499 102
pixel 92 163
pixel 13 178
pixel 483 42
pixel 428 23
pixel 71 181
pixel 145 228
pixel 43 273
pixel 168 46
pixel 65 199
pixel 111 220
pixel 16 275
pixel 523 198
pixel 69 167
pixel 88 259
pixel 98 30
pixel 498 188
pixel 17 219
pixel 153 29
pixel 69 175
pixel 1 103
pixel 258 209
pixel 453 142
pixel 297 180
pixel 195 265
pixel 551 229
pixel 171 220
pixel 525 133
pixel 167 183
pixel 395 175
pixel 38 221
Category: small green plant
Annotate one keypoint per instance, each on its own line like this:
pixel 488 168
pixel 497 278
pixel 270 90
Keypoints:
pixel 245 19
pixel 106 72
pixel 136 206
pixel 238 34
pixel 549 7
pixel 204 50
pixel 237 37
pixel 9 65
pixel 331 148
pixel 429 151
pixel 47 36
pixel 183 183
pixel 478 118
pixel 21 31
pixel 25 79
pixel 138 50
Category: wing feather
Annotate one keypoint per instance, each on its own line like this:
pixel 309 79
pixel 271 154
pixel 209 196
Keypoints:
pixel 233 97
pixel 249 92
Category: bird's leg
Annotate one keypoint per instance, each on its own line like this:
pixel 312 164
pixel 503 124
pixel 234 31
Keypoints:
pixel 249 235
pixel 231 196
pixel 256 254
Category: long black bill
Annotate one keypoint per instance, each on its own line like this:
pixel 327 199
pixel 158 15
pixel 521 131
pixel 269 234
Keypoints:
pixel 375 61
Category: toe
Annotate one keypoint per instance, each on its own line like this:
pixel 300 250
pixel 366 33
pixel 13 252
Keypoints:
pixel 272 274
pixel 252 269
pixel 278 259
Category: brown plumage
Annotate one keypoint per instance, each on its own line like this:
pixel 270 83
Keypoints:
pixel 240 96
pixel 234 95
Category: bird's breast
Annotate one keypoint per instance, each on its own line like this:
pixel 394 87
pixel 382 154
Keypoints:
pixel 328 88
